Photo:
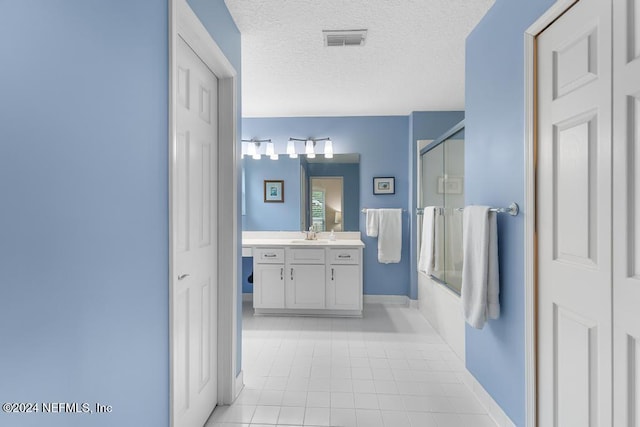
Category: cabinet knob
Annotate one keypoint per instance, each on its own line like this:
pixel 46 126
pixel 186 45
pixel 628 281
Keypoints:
pixel 183 276
pixel 281 273
pixel 332 271
pixel 291 273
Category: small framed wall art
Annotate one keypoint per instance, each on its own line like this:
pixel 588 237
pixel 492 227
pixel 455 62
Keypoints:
pixel 384 185
pixel 273 191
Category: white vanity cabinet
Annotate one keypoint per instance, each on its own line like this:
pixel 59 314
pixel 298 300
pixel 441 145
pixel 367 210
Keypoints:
pixel 344 279
pixel 268 278
pixel 323 279
pixel 305 283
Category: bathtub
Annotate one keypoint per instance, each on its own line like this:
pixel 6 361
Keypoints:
pixel 442 308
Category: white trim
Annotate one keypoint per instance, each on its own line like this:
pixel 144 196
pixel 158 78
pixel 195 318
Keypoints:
pixel 387 299
pixel 239 384
pixel 247 297
pixel 413 303
pixel 184 23
pixel 493 409
pixel 530 35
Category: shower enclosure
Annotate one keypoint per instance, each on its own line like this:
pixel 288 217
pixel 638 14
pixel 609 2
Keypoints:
pixel 440 168
pixel 442 186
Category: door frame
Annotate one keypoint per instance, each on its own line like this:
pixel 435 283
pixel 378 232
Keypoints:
pixel 184 23
pixel 530 237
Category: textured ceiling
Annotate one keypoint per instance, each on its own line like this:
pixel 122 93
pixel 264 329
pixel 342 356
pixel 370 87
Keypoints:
pixel 413 58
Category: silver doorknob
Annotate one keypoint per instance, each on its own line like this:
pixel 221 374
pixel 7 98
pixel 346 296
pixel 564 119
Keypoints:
pixel 183 276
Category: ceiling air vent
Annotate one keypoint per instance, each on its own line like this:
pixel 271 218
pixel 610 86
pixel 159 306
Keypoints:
pixel 344 37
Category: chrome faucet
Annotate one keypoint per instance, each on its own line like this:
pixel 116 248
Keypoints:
pixel 311 234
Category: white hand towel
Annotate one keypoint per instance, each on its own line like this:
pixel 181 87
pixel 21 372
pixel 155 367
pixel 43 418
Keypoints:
pixel 372 222
pixel 389 235
pixel 426 263
pixel 480 281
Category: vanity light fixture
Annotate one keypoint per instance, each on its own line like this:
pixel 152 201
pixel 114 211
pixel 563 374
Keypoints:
pixel 309 147
pixel 256 151
pixel 270 149
pixel 253 147
pixel 291 149
pixel 328 149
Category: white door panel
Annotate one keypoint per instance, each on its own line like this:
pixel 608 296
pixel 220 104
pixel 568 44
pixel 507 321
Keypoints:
pixel 194 200
pixel 574 218
pixel 626 205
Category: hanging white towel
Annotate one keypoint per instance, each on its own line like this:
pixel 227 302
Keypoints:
pixel 389 235
pixel 426 263
pixel 454 240
pixel 480 281
pixel 438 241
pixel 372 222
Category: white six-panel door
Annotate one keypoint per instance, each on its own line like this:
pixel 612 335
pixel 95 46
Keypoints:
pixel 195 289
pixel 574 218
pixel 626 208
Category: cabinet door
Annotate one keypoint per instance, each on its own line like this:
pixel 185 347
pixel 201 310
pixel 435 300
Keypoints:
pixel 268 286
pixel 344 289
pixel 305 286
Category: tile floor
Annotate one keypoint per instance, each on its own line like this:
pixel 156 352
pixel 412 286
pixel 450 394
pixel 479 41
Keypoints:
pixel 388 369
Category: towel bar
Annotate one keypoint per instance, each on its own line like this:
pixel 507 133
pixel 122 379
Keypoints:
pixel 512 210
pixel 364 210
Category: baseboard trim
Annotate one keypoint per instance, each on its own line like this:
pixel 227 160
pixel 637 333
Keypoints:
pixel 247 297
pixel 239 384
pixel 387 299
pixel 493 409
pixel 413 303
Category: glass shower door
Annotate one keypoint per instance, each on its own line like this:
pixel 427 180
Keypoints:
pixel 442 186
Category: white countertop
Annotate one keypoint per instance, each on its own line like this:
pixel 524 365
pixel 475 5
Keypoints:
pixel 252 239
pixel 300 242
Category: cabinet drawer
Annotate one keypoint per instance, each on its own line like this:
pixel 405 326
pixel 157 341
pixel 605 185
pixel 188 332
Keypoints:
pixel 268 255
pixel 305 256
pixel 344 256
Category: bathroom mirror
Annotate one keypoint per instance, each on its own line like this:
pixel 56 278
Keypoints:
pixel 442 185
pixel 313 195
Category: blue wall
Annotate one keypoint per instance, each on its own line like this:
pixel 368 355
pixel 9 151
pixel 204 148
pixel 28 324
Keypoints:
pixel 272 216
pixel 494 175
pixel 84 243
pixel 423 125
pixel 83 175
pixel 381 142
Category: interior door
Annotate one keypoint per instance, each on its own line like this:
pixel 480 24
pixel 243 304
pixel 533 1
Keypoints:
pixel 194 209
pixel 626 204
pixel 574 218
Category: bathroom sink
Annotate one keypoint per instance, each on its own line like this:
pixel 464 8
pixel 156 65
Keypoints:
pixel 310 242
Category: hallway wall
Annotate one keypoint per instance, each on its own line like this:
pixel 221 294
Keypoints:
pixel 84 184
pixel 84 244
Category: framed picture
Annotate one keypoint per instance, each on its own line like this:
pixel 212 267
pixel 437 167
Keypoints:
pixel 384 185
pixel 450 185
pixel 273 191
